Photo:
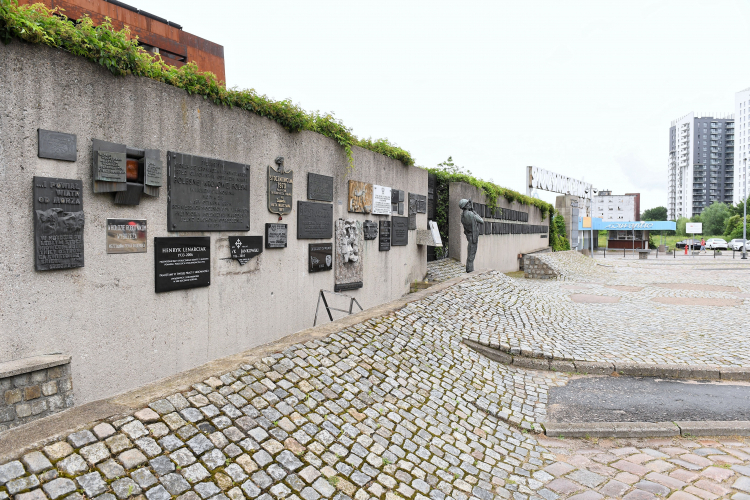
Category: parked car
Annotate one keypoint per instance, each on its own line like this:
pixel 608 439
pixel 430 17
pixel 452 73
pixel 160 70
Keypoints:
pixel 736 244
pixel 695 246
pixel 716 244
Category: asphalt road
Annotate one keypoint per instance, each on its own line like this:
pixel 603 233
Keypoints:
pixel 645 399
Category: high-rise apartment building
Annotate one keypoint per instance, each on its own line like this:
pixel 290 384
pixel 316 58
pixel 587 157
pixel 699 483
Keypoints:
pixel 701 164
pixel 742 155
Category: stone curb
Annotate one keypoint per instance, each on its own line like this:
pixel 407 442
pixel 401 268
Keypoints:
pixel 646 429
pixel 19 440
pixel 694 372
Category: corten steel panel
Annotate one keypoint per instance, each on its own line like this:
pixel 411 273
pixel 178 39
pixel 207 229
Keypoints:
pixel 209 56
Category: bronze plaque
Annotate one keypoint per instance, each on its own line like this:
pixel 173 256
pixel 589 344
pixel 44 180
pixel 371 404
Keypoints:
pixel 280 184
pixel 126 236
pixel 58 223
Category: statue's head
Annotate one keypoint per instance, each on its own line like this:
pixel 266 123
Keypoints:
pixel 464 204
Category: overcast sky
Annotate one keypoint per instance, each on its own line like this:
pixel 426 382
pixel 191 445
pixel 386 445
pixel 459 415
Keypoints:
pixel 583 88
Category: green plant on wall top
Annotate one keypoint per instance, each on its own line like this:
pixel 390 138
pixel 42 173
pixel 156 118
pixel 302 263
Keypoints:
pixel 447 172
pixel 119 52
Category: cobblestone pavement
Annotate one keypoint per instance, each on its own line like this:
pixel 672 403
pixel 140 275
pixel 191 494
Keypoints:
pixel 658 315
pixel 680 469
pixel 444 269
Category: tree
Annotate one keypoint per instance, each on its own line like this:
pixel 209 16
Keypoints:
pixel 714 218
pixel 738 209
pixel 657 213
pixel 734 227
pixel 557 239
pixel 681 222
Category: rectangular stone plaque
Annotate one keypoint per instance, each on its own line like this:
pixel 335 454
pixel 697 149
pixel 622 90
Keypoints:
pixel 152 168
pixel 384 236
pixel 244 248
pixel 182 262
pixel 413 206
pixel 394 196
pixel 399 231
pixel 58 223
pixel 276 235
pixel 109 166
pixel 314 220
pixel 321 257
pixel 421 204
pixel 126 236
pixel 319 187
pixel 381 200
pixel 57 145
pixel 370 230
pixel 360 197
pixel 349 270
pixel 401 208
pixel 401 195
pixel 207 194
pixel 280 188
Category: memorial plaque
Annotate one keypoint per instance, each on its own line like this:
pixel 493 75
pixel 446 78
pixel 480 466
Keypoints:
pixel 321 257
pixel 413 211
pixel 319 187
pixel 385 236
pixel 57 145
pixel 421 204
pixel 401 208
pixel 360 197
pixel 394 196
pixel 58 223
pixel 314 220
pixel 370 229
pixel 280 184
pixel 349 269
pixel 126 236
pixel 182 262
pixel 276 235
pixel 244 248
pixel 381 200
pixel 399 231
pixel 152 168
pixel 401 195
pixel 110 166
pixel 207 194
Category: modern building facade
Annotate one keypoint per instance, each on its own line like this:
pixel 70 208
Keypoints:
pixel 701 166
pixel 156 34
pixel 742 155
pixel 620 208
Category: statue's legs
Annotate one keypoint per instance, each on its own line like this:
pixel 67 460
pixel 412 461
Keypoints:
pixel 472 250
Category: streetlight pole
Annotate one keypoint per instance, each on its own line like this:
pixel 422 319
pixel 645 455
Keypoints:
pixel 744 218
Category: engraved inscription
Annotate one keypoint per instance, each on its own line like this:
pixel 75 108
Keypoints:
pixel 384 242
pixel 182 262
pixel 319 187
pixel 314 220
pixel 276 235
pixel 110 167
pixel 57 145
pixel 58 223
pixel 399 231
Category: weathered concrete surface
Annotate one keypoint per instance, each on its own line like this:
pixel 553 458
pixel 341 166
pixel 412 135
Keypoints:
pixel 106 315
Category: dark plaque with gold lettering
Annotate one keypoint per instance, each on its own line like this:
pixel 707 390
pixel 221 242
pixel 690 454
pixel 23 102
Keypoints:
pixel 58 223
pixel 384 236
pixel 57 145
pixel 319 187
pixel 314 220
pixel 280 184
pixel 181 263
pixel 244 248
pixel 207 194
pixel 276 235
pixel 321 257
pixel 399 231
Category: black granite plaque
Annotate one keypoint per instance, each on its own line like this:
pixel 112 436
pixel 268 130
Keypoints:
pixel 182 262
pixel 413 211
pixel 401 196
pixel 370 230
pixel 421 204
pixel 321 257
pixel 319 187
pixel 385 236
pixel 394 196
pixel 280 188
pixel 57 145
pixel 152 166
pixel 207 194
pixel 244 248
pixel 400 231
pixel 314 220
pixel 276 235
pixel 401 208
pixel 109 166
pixel 58 223
pixel 343 287
pixel 394 207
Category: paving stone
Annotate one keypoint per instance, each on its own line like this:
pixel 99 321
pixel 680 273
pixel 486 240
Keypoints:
pixel 36 494
pixel 82 438
pixel 134 429
pixel 22 484
pixel 132 458
pixel 55 451
pixel 200 444
pixel 143 477
pixel 72 465
pixel 195 473
pixel 158 493
pixel 59 487
pixel 250 489
pixel 11 471
pixel 35 462
pixel 92 484
pixel 174 483
pixel 236 472
pixel 207 489
pixel 95 453
pixel 118 443
pixel 125 488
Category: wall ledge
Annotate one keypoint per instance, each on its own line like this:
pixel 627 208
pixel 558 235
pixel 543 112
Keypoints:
pixel 34 363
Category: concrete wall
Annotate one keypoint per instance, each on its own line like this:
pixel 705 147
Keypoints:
pixel 494 251
pixel 106 315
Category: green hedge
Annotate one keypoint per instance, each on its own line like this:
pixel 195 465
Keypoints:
pixel 118 51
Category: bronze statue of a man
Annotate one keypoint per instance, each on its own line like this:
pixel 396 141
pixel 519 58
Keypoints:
pixel 470 221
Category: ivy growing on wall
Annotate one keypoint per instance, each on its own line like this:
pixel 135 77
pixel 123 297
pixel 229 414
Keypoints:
pixel 119 52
